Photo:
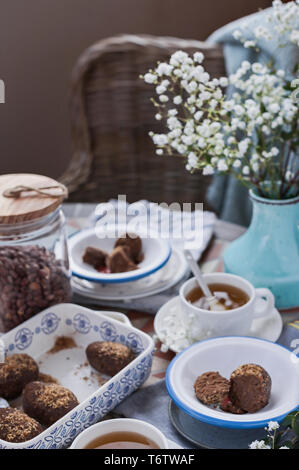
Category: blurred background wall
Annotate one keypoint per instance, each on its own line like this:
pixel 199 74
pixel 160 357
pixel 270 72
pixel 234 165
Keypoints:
pixel 40 41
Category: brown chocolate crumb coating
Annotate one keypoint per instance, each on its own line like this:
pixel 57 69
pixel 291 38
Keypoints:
pixel 47 402
pixel 16 426
pixel 17 371
pixel 211 388
pixel 250 387
pixel 108 357
pixel 95 257
pixel 119 261
pixel 134 243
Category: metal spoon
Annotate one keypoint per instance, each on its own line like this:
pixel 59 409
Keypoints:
pixel 212 300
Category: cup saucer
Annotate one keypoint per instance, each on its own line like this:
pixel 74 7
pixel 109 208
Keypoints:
pixel 171 331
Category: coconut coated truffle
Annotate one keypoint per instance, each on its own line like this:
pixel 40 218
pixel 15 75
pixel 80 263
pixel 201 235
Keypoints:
pixel 17 371
pixel 211 388
pixel 16 426
pixel 108 357
pixel 47 402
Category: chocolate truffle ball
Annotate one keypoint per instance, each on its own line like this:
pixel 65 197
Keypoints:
pixel 95 257
pixel 211 388
pixel 47 402
pixel 119 261
pixel 134 243
pixel 108 357
pixel 17 371
pixel 250 387
pixel 16 426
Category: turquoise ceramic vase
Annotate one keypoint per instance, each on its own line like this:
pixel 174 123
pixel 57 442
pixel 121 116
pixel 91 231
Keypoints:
pixel 267 255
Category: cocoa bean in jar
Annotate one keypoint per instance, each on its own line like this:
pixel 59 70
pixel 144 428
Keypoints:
pixel 31 279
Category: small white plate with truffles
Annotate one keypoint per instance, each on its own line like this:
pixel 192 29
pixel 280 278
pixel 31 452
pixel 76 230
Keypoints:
pixel 235 382
pixel 57 341
pixel 108 255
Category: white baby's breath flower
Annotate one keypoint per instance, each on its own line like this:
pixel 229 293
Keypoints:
pixel 208 170
pixel 150 78
pixel 198 115
pixel 198 57
pixel 274 151
pixel 160 139
pixel 163 98
pixel 272 426
pixel 164 69
pixel 274 108
pixel 237 163
pixel 237 34
pixel 177 100
pixel 249 44
pixel 257 67
pixel 259 445
pixel 158 116
pixel 222 165
pixel 160 89
pixel 223 81
pixel 159 152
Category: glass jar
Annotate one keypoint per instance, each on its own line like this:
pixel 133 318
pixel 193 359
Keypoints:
pixel 34 264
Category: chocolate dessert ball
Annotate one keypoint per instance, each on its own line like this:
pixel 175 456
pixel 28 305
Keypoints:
pixel 211 388
pixel 17 371
pixel 250 387
pixel 108 357
pixel 119 261
pixel 16 426
pixel 47 402
pixel 134 243
pixel 95 257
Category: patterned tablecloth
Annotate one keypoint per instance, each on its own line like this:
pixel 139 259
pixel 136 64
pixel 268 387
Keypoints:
pixel 211 261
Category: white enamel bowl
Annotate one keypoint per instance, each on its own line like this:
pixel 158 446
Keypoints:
pixel 224 355
pixel 156 252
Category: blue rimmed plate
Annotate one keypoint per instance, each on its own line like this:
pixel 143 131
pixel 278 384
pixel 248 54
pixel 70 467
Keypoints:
pixel 224 355
pixel 156 253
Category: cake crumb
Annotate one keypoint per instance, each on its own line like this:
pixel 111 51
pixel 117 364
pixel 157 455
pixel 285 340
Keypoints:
pixel 47 379
pixel 61 343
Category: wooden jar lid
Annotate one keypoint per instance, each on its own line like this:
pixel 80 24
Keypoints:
pixel 19 204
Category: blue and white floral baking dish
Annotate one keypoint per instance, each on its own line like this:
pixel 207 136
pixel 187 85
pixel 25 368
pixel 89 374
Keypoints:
pixel 37 337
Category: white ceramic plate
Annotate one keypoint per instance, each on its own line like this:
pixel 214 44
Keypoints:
pixel 156 252
pixel 225 355
pixel 168 322
pixel 168 276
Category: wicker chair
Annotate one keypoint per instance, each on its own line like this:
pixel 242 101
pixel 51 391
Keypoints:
pixel 111 115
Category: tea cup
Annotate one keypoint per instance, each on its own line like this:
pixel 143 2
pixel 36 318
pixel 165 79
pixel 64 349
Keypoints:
pixel 234 322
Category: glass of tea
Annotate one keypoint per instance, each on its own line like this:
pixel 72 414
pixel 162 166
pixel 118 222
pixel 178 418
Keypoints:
pixel 241 304
pixel 123 433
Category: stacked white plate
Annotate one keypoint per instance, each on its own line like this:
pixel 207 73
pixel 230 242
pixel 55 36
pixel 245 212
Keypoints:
pixel 161 268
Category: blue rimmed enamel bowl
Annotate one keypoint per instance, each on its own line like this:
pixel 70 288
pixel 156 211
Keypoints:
pixel 69 366
pixel 224 355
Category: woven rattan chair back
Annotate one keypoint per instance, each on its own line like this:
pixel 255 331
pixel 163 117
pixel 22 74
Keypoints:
pixel 111 116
